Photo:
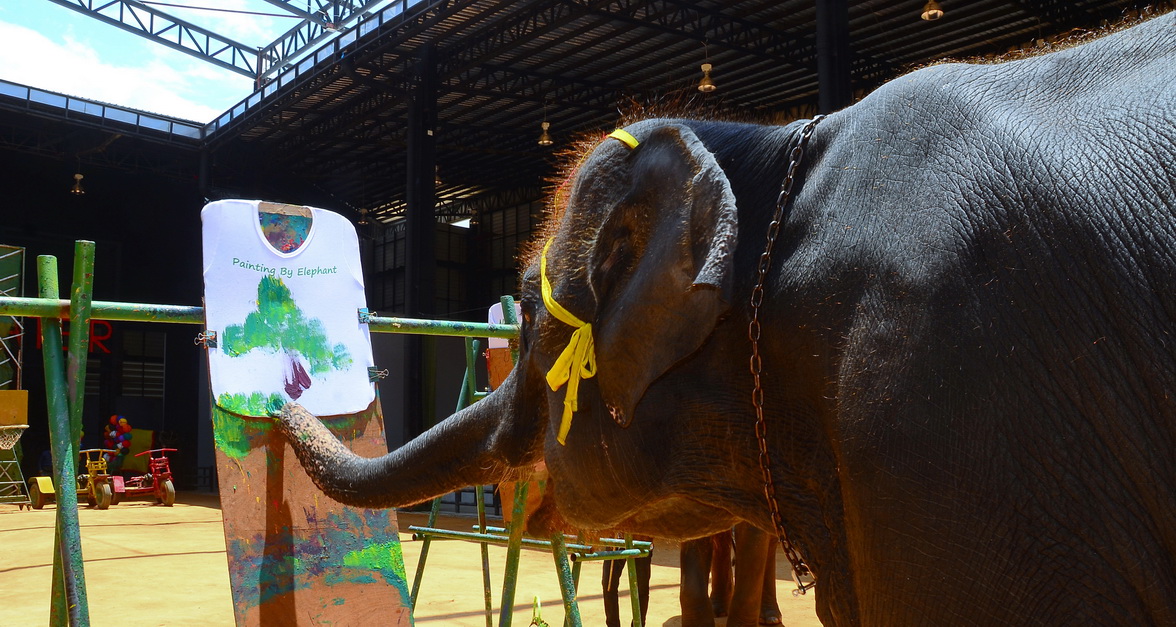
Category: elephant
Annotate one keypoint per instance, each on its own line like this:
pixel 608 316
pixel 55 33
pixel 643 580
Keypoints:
pixel 964 384
pixel 748 600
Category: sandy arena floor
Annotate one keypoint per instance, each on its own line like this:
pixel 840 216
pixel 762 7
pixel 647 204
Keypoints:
pixel 153 565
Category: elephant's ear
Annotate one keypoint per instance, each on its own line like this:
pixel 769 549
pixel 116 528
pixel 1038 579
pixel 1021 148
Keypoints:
pixel 661 268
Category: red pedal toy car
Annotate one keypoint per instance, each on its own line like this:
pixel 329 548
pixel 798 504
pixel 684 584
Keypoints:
pixel 157 481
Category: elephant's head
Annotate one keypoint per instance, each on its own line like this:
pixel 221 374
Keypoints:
pixel 617 309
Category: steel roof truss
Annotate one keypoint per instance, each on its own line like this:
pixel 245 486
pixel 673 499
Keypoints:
pixel 155 25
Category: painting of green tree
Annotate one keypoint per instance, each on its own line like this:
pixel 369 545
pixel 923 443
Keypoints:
pixel 279 325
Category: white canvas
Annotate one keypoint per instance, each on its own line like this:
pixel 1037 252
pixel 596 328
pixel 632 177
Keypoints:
pixel 313 336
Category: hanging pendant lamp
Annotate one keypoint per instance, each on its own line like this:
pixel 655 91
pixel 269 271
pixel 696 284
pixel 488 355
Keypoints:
pixel 931 11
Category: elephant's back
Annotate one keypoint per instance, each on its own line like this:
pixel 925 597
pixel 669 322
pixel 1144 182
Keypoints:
pixel 988 261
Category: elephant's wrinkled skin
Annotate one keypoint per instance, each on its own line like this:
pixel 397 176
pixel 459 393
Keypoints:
pixel 968 347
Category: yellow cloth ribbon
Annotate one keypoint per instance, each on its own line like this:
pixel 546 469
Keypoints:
pixel 578 359
pixel 625 137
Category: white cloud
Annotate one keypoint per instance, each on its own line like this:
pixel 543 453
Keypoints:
pixel 246 28
pixel 162 81
pixel 52 48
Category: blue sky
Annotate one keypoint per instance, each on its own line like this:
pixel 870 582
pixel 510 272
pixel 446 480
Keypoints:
pixel 52 47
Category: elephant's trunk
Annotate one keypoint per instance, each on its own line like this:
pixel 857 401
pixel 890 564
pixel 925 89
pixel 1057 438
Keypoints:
pixel 477 445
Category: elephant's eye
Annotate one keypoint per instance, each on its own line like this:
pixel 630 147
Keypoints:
pixel 525 341
pixel 525 331
pixel 616 254
pixel 611 268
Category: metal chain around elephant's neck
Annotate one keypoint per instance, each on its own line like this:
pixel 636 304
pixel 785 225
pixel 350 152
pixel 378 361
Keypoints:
pixel 753 333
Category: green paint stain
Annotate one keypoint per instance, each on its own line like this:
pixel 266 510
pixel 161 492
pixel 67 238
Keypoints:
pixel 235 435
pixel 383 556
pixel 236 432
pixel 339 601
pixel 255 404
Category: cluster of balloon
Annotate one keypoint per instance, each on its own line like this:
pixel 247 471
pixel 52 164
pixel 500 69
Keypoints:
pixel 118 437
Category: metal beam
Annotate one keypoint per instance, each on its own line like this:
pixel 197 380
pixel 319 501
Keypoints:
pixel 400 27
pixel 306 13
pixel 833 55
pixel 382 94
pixel 1058 14
pixel 687 20
pixel 321 20
pixel 323 10
pixel 420 255
pixel 328 21
pixel 519 84
pixel 421 153
pixel 137 18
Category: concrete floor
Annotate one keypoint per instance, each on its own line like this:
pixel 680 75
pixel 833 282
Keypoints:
pixel 150 565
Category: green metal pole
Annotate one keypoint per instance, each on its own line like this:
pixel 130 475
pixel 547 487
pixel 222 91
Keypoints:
pixel 519 511
pixel 567 586
pixel 512 320
pixel 185 314
pixel 576 566
pixel 602 556
pixel 69 580
pixel 420 569
pixel 513 548
pixel 582 552
pixel 102 310
pixel 79 335
pixel 468 386
pixel 470 383
pixel 456 328
pixel 634 597
pixel 487 595
pixel 576 575
pixel 578 545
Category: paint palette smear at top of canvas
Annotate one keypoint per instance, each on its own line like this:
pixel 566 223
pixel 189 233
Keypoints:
pixel 286 318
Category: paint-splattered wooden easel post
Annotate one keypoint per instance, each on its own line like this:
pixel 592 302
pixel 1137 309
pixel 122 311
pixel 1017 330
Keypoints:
pixel 295 556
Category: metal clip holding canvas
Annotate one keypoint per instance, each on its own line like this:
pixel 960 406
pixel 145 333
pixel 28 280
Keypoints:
pixel 207 339
pixel 375 374
pixel 366 315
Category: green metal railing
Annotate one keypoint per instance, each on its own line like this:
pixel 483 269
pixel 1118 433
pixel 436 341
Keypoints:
pixel 55 308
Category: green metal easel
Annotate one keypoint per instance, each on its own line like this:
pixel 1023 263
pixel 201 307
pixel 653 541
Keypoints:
pixel 565 554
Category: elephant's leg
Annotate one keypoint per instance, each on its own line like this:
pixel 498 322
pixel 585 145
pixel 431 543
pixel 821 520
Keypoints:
pixel 695 559
pixel 769 607
pixel 751 546
pixel 610 582
pixel 721 583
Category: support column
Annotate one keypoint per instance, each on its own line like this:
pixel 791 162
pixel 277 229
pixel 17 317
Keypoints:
pixel 835 90
pixel 202 183
pixel 420 233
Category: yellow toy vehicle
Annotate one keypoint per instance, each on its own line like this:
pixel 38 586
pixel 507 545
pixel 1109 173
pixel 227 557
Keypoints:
pixel 94 483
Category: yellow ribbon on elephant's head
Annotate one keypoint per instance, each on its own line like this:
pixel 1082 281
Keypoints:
pixel 625 137
pixel 578 359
